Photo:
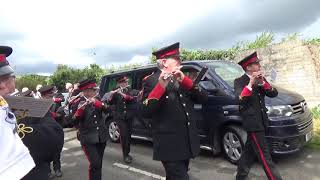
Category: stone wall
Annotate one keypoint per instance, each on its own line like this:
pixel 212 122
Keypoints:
pixel 296 65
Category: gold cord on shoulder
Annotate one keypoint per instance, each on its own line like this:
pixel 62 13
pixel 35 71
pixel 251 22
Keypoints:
pixel 23 130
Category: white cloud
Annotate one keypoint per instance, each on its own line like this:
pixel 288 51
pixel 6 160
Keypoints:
pixel 139 59
pixel 60 31
pixel 313 30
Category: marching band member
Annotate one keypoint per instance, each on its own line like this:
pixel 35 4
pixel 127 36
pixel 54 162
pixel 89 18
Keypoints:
pixel 49 92
pixel 251 89
pixel 92 128
pixel 15 158
pixel 124 102
pixel 170 96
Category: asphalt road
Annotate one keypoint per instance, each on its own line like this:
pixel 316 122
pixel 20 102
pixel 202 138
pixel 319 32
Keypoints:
pixel 304 165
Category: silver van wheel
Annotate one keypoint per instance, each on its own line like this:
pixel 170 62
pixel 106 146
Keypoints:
pixel 114 132
pixel 232 146
pixel 233 140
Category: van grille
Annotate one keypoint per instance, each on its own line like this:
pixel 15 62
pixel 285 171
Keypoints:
pixel 303 126
pixel 287 145
pixel 299 108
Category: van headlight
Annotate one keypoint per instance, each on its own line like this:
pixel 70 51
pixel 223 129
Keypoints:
pixel 284 110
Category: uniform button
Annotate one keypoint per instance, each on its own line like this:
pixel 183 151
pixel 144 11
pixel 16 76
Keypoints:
pixel 167 97
pixel 188 123
pixel 184 104
pixel 187 114
pixel 124 111
pixel 180 95
pixel 96 122
pixel 94 116
pixel 97 128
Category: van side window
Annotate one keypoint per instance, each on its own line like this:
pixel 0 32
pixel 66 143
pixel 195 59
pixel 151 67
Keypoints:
pixel 205 83
pixel 141 75
pixel 192 74
pixel 112 83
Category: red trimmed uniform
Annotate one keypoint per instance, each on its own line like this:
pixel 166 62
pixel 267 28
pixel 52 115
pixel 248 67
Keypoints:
pixel 123 111
pixel 174 130
pixel 255 120
pixel 92 135
pixel 57 116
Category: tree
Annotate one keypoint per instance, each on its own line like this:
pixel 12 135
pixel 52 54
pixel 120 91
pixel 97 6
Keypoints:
pixel 94 72
pixel 65 74
pixel 31 81
pixel 261 41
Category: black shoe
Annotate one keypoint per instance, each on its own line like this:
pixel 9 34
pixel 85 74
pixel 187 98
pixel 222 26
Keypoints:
pixel 58 173
pixel 51 175
pixel 127 159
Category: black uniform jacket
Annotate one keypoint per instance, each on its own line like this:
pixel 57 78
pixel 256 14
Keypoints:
pixel 44 137
pixel 124 107
pixel 252 103
pixel 174 130
pixel 91 124
pixel 58 99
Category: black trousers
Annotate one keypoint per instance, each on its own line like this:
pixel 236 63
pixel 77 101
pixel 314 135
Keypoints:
pixel 176 170
pixel 125 127
pixel 256 146
pixel 94 154
pixel 56 162
pixel 40 172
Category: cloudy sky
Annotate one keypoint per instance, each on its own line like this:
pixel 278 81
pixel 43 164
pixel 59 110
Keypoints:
pixel 45 33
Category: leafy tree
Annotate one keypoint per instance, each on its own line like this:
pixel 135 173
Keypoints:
pixel 94 71
pixel 31 81
pixel 313 41
pixel 291 37
pixel 65 74
pixel 261 41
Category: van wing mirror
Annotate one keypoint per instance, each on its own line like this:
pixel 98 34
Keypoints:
pixel 211 89
pixel 207 85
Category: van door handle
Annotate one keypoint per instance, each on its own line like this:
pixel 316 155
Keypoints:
pixel 197 106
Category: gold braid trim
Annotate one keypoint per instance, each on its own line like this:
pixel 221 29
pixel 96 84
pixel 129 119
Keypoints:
pixel 145 102
pixel 23 130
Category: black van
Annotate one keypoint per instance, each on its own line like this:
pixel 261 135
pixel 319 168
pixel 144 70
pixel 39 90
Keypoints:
pixel 218 122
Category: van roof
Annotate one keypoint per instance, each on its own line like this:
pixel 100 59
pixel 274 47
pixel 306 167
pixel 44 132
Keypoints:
pixel 151 66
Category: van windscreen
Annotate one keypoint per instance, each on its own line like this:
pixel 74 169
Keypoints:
pixel 226 71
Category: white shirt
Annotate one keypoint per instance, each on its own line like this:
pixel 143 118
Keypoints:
pixel 250 88
pixel 15 159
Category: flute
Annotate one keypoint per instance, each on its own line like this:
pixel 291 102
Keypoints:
pixel 71 99
pixel 121 88
pixel 170 74
pixel 87 101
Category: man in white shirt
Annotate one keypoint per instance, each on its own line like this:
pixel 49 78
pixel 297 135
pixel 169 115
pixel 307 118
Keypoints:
pixel 15 159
